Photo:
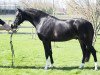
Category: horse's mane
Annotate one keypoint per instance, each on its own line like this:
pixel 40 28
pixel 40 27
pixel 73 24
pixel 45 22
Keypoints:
pixel 31 10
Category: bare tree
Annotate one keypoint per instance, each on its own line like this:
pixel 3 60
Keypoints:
pixel 38 4
pixel 88 9
pixel 44 5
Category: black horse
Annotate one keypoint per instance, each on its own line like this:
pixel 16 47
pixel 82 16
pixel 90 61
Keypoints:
pixel 50 28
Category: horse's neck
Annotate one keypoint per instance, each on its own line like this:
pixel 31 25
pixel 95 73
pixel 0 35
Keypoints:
pixel 38 22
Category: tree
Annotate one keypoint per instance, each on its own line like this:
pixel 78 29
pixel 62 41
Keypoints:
pixel 38 4
pixel 88 9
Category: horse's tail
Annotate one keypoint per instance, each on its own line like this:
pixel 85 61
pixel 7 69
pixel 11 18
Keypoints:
pixel 90 41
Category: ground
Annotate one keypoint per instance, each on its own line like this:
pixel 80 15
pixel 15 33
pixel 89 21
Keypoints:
pixel 30 58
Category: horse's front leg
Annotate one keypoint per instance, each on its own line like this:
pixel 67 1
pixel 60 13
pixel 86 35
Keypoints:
pixel 48 54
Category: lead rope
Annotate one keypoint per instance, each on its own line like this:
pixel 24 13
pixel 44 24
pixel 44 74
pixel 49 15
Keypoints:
pixel 12 49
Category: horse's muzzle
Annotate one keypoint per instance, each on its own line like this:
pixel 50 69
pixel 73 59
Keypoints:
pixel 13 28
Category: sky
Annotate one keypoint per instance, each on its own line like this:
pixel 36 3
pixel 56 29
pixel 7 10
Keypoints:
pixel 59 3
pixel 32 0
pixel 10 0
pixel 38 0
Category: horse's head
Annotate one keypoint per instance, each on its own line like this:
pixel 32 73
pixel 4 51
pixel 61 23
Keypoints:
pixel 31 15
pixel 18 20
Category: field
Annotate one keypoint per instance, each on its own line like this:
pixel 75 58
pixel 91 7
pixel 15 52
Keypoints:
pixel 30 59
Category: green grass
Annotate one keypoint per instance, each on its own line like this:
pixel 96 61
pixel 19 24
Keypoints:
pixel 30 58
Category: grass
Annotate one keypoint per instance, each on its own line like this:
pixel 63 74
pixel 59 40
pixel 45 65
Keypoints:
pixel 30 58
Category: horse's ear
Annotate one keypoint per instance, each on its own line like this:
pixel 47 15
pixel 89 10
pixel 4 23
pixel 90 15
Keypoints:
pixel 19 10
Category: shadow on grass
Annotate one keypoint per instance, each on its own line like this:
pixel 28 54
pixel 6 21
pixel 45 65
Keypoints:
pixel 22 67
pixel 54 68
pixel 74 67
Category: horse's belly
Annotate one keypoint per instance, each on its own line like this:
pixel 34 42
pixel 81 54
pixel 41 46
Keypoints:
pixel 63 37
pixel 58 40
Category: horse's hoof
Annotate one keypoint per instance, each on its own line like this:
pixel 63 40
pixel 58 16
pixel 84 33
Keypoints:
pixel 46 68
pixel 96 69
pixel 81 66
pixel 96 66
pixel 51 66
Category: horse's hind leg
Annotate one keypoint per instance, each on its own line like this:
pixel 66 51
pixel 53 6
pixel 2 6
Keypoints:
pixel 83 47
pixel 87 57
pixel 93 51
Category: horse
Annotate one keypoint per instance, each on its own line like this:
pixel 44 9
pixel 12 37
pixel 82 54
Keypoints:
pixel 50 28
